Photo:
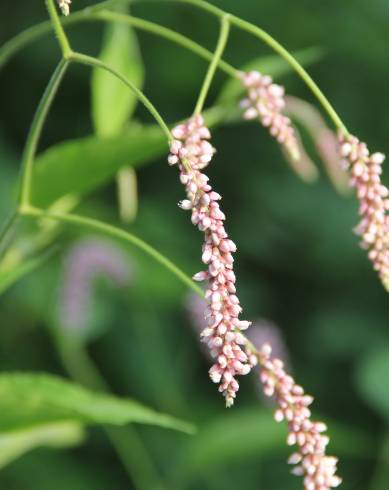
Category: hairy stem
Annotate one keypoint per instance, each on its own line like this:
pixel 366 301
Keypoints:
pixel 36 130
pixel 221 44
pixel 58 29
pixel 114 232
pixel 125 440
pixel 90 61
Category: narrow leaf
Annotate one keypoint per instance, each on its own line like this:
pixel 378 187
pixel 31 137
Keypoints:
pixel 27 400
pixel 9 277
pixel 252 433
pixel 14 444
pixel 112 102
pixel 81 165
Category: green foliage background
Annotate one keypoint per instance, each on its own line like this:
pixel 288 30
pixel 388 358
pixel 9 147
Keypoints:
pixel 298 263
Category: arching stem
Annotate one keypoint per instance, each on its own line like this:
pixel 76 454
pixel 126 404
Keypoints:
pixel 36 131
pixel 221 44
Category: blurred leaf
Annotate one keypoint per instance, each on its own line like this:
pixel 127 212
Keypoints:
pixel 11 276
pixel 79 166
pixel 127 194
pixel 252 433
pixel 112 101
pixel 14 444
pixel 272 65
pixel 372 380
pixel 30 399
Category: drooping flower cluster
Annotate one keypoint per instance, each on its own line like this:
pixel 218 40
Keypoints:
pixel 366 172
pixel 310 459
pixel 64 5
pixel 192 152
pixel 266 102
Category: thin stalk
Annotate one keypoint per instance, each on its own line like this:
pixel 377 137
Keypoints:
pixel 289 58
pixel 275 46
pixel 58 29
pixel 114 232
pixel 6 228
pixel 125 440
pixel 221 44
pixel 169 34
pixel 17 43
pixel 90 61
pixel 36 130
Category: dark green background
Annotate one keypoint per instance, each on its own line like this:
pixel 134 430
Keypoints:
pixel 298 263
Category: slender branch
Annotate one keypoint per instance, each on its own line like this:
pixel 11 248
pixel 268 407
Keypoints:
pixel 6 228
pixel 169 34
pixel 36 130
pixel 114 232
pixel 89 60
pixel 272 43
pixel 17 43
pixel 58 29
pixel 221 44
pixel 289 58
pixel 278 48
pixel 125 440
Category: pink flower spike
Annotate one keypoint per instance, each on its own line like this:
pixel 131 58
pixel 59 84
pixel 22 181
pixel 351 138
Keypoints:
pixel 310 458
pixel 266 101
pixel 222 335
pixel 365 176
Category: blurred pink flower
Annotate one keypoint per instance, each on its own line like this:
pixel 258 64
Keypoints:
pixel 86 260
pixel 263 332
pixel 325 140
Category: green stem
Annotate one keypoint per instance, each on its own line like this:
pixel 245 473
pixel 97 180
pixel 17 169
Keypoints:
pixel 36 130
pixel 221 44
pixel 90 61
pixel 6 228
pixel 58 29
pixel 125 440
pixel 169 34
pixel 273 44
pixel 115 232
pixel 17 43
pixel 289 58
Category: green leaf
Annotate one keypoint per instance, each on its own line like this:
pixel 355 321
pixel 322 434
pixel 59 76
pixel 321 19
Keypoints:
pixel 14 444
pixel 372 380
pixel 25 267
pixel 81 165
pixel 250 433
pixel 28 400
pixel 272 65
pixel 112 102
